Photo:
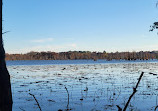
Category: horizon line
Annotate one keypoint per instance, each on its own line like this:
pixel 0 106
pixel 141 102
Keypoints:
pixel 84 51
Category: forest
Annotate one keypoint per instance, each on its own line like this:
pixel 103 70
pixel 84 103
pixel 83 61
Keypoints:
pixel 76 55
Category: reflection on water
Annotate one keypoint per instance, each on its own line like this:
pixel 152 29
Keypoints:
pixel 91 87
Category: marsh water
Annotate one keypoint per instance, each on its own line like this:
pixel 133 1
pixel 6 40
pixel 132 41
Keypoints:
pixel 83 85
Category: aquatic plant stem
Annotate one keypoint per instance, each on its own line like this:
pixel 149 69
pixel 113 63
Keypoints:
pixel 68 98
pixel 36 101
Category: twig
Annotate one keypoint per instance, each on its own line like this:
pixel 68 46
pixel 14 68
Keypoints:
pixel 68 98
pixel 5 32
pixel 134 91
pixel 155 108
pixel 152 73
pixel 156 104
pixel 36 101
pixel 119 108
pixel 21 109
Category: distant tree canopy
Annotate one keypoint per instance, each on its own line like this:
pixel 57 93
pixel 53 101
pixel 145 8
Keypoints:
pixel 154 26
pixel 76 55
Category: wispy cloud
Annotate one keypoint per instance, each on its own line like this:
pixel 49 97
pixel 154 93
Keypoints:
pixel 73 45
pixel 53 48
pixel 42 40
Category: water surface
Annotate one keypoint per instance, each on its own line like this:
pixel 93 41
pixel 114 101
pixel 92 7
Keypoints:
pixel 60 62
pixel 91 87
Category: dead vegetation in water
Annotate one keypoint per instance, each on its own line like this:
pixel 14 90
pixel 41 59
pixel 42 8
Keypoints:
pixel 101 86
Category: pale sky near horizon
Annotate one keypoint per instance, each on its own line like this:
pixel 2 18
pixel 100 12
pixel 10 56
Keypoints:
pixel 86 25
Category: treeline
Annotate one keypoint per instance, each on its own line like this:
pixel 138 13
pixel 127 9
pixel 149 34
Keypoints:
pixel 75 55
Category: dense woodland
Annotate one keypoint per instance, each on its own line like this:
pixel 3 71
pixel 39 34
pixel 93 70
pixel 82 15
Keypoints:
pixel 75 55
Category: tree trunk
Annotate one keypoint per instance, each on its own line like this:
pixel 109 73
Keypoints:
pixel 5 86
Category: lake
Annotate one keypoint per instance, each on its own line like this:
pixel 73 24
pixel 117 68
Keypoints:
pixel 83 85
pixel 60 62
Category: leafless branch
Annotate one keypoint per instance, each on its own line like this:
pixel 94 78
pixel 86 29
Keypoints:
pixel 36 101
pixel 68 97
pixel 5 32
pixel 134 91
pixel 155 108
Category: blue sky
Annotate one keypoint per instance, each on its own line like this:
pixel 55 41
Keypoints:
pixel 93 25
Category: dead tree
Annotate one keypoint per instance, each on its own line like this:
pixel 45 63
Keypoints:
pixel 5 86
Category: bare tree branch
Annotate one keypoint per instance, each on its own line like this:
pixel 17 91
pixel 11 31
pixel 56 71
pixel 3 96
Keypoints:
pixel 134 91
pixel 36 101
